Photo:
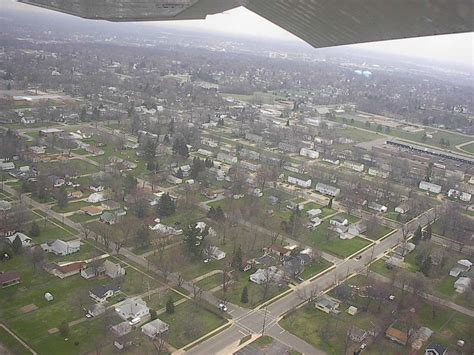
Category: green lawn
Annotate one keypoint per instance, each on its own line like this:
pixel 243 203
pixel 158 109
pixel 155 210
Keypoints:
pixel 324 239
pixel 210 282
pixel 82 217
pixel 469 148
pixel 378 232
pixel 12 344
pixel 158 300
pixel 315 268
pixel 71 206
pixel 255 292
pixel 190 322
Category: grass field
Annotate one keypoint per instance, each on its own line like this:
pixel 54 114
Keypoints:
pixel 71 206
pixel 12 344
pixel 190 322
pixel 210 282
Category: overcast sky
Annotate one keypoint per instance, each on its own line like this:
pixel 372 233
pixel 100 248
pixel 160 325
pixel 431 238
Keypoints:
pixel 457 48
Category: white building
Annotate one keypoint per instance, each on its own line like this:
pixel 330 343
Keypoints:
pixel 204 152
pixel 354 166
pixel 132 308
pixel 305 152
pixel 154 328
pixel 428 186
pixel 113 270
pixel 462 284
pixel 327 189
pixel 271 274
pixel 96 197
pixel 377 207
pixel 25 240
pixel 62 248
pixel 378 173
pixel 227 158
pixel 299 182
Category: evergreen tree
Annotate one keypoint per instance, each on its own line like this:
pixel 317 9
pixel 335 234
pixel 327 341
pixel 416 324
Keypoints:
pixel 16 245
pixel 130 183
pixel 64 329
pixel 426 266
pixel 237 259
pixel 149 150
pixel 417 236
pixel 153 314
pixel 35 229
pixel 244 298
pixel 428 232
pixel 170 306
pixel 9 86
pixel 192 239
pixel 179 173
pixel 166 206
pixel 143 236
pixel 330 203
pixel 180 148
pixel 62 197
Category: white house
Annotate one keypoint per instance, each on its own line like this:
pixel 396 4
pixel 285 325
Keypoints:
pixel 461 266
pixel 327 189
pixel 60 247
pixel 314 212
pixel 378 173
pixel 314 222
pixel 154 328
pixel 101 293
pixel 216 253
pixel 227 158
pixel 428 186
pixel 338 221
pixel 271 274
pixel 462 284
pixel 299 182
pixel 354 166
pixel 309 153
pixel 5 206
pixel 377 207
pixel 113 270
pixel 96 197
pixel 403 207
pixel 132 308
pixel 25 240
pixel 204 152
pixel 174 180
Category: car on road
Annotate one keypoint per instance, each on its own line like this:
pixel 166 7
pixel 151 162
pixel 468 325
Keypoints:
pixel 222 307
pixel 358 257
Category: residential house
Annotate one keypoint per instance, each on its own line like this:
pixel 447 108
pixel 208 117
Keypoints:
pixel 314 222
pixel 357 228
pixel 174 180
pixel 404 249
pixel 96 197
pixel 62 248
pixel 428 186
pixel 394 261
pixel 65 269
pixel 293 266
pixel 278 250
pixel 327 189
pixel 353 165
pixel 397 335
pixel 357 335
pixel 101 293
pixel 154 328
pixel 299 182
pixel 461 266
pixel 9 278
pixel 96 187
pixel 214 253
pixel 271 274
pixel 121 329
pixel 377 207
pixel 92 210
pixel 327 305
pixel 462 284
pixel 6 165
pixel 436 349
pixel 312 154
pixel 25 240
pixel 403 207
pixel 110 205
pixel 91 272
pixel 338 221
pixel 132 308
pixel 314 212
pixel 5 206
pixel 113 270
pixel 108 218
pixel 378 173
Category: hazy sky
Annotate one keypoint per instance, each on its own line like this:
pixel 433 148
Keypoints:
pixel 457 48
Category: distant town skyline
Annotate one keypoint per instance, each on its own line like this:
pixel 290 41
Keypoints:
pixel 456 48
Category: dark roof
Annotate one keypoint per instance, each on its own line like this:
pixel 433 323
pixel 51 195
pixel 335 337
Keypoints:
pixel 440 349
pixel 101 290
pixel 9 276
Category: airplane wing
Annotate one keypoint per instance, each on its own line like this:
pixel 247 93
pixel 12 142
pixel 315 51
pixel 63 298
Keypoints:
pixel 321 23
